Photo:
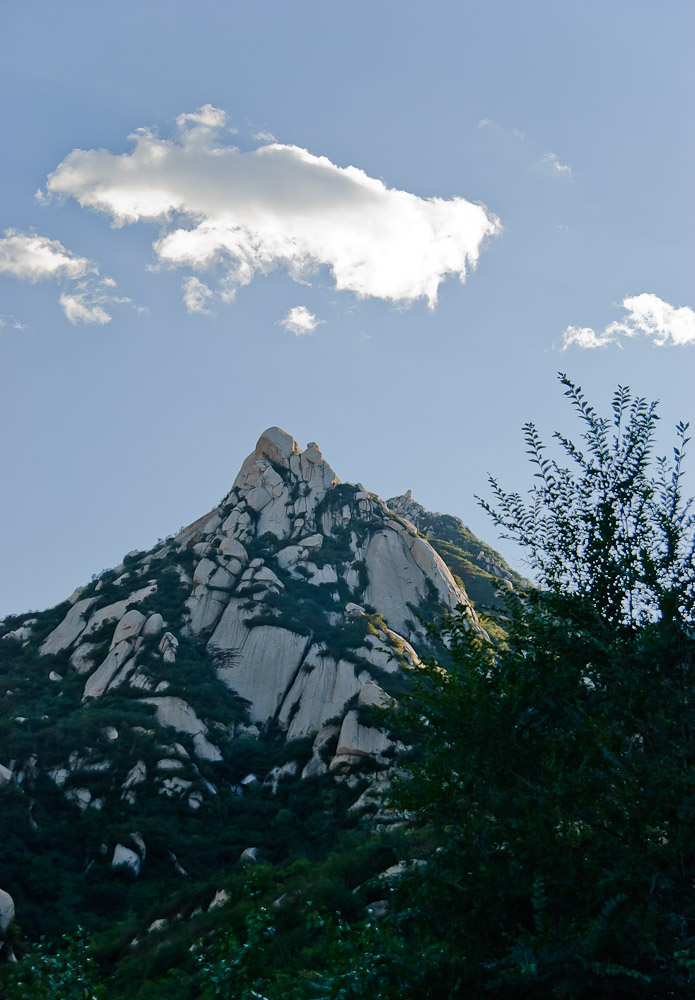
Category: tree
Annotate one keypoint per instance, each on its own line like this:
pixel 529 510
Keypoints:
pixel 65 972
pixel 552 779
pixel 610 530
pixel 557 773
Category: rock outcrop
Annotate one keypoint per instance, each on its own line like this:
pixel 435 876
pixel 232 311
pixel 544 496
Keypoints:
pixel 293 607
pixel 276 566
pixel 7 915
pixel 483 571
pixel 6 912
pixel 223 689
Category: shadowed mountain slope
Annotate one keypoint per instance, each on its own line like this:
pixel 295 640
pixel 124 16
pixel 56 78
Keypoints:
pixel 155 724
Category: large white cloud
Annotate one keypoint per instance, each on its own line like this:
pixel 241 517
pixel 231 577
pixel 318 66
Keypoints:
pixel 647 315
pixel 248 212
pixel 32 257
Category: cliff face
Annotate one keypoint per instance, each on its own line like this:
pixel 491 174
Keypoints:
pixel 483 572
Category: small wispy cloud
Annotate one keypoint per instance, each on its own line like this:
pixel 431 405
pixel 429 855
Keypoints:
pixel 205 117
pixel 300 321
pixel 553 162
pixel 647 316
pixel 264 137
pixel 81 306
pixel 11 322
pixel 510 133
pixel 196 295
pixel 32 257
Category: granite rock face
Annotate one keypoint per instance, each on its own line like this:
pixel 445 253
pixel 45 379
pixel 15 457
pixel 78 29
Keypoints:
pixel 293 503
pixel 292 607
pixel 69 629
pixel 483 571
pixel 223 688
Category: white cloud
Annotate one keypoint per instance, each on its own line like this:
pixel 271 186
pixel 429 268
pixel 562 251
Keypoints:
pixel 196 295
pixel 207 116
pixel 278 205
pixel 584 336
pixel 485 122
pixel 648 316
pixel 300 321
pixel 36 258
pixel 80 307
pixel 32 257
pixel 9 320
pixel 264 137
pixel 552 161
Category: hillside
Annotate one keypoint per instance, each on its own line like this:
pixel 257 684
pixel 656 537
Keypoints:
pixel 479 569
pixel 212 702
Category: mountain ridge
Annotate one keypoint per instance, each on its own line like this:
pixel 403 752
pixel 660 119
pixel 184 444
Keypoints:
pixel 242 657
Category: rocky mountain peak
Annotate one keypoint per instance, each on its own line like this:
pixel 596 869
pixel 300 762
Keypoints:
pixel 302 594
pixel 248 651
pixel 297 599
pixel 274 445
pixel 276 470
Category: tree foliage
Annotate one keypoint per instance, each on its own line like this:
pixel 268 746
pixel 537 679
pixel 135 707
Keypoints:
pixel 557 772
pixel 66 972
pixel 552 777
pixel 612 527
pixel 550 787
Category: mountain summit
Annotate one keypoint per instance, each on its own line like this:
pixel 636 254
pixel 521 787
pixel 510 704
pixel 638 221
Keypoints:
pixel 276 587
pixel 250 649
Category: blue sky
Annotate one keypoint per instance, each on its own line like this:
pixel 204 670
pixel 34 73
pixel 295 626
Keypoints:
pixel 164 301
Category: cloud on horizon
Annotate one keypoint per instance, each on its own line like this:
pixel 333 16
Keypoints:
pixel 31 257
pixel 647 316
pixel 246 213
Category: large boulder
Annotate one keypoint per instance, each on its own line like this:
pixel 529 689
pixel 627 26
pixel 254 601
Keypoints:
pixel 178 714
pixel 125 857
pixel 69 629
pixel 119 658
pixel 7 912
pixel 129 627
pixel 357 742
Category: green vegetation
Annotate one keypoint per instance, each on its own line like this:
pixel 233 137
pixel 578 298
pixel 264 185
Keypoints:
pixel 548 792
pixel 553 774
